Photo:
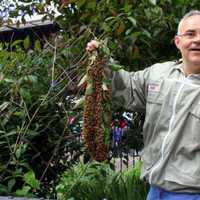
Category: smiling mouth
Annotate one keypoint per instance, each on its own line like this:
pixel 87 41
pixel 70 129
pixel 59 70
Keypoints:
pixel 195 49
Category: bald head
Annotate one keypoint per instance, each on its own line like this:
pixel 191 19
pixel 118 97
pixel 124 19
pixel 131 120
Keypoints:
pixel 186 16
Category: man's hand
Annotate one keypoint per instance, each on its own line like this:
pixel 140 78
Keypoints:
pixel 92 46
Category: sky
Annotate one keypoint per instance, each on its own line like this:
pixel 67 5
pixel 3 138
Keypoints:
pixel 8 5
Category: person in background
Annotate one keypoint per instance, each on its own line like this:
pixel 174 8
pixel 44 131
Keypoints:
pixel 117 135
pixel 169 95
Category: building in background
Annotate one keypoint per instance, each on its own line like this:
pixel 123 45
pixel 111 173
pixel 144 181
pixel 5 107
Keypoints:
pixel 35 26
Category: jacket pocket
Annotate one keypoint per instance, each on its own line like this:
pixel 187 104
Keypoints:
pixel 149 157
pixel 154 97
pixel 177 175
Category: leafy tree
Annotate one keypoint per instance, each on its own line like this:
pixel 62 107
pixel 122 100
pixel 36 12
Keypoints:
pixel 138 33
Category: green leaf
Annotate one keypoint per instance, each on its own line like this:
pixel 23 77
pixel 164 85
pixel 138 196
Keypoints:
pixel 153 2
pixel 21 150
pixel 146 33
pixel 11 133
pixel 11 183
pixel 37 45
pixel 16 43
pixel 83 80
pixel 110 18
pixel 115 67
pixel 91 4
pixel 8 80
pixel 79 103
pixel 29 78
pixel 24 191
pixel 89 89
pixel 30 179
pixel 25 93
pixel 128 31
pixel 80 3
pixel 1 76
pixel 106 128
pixel 18 153
pixel 3 189
pixel 106 27
pixel 132 20
pixel 26 42
pixel 127 7
pixel 4 105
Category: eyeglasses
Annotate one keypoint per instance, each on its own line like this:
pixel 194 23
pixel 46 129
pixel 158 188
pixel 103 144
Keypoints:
pixel 189 35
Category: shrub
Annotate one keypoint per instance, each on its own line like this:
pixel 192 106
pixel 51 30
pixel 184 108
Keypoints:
pixel 97 181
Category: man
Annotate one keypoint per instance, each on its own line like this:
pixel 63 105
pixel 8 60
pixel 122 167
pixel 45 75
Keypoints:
pixel 169 94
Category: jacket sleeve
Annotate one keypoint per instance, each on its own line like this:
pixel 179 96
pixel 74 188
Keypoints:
pixel 129 89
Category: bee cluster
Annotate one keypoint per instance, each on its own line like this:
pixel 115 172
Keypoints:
pixel 97 112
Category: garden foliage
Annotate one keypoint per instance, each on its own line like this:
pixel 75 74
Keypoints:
pixel 97 181
pixel 38 79
pixel 35 141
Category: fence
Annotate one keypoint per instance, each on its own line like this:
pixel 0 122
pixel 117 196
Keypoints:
pixel 120 155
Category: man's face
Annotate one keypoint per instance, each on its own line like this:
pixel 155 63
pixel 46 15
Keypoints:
pixel 188 41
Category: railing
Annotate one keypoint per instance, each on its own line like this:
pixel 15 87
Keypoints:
pixel 123 158
pixel 120 155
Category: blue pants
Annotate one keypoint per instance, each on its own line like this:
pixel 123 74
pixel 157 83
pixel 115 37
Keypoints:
pixel 156 193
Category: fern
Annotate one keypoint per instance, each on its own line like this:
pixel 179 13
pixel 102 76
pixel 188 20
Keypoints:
pixel 97 181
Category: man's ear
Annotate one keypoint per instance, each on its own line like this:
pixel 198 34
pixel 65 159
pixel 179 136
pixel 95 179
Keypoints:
pixel 177 41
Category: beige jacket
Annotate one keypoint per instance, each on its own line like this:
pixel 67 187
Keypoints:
pixel 171 102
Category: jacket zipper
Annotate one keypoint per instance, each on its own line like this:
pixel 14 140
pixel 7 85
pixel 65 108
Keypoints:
pixel 168 133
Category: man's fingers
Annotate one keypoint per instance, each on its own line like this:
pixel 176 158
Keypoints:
pixel 95 43
pixel 89 48
pixel 92 45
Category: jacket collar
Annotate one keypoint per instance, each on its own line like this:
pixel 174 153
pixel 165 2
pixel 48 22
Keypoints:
pixel 178 65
